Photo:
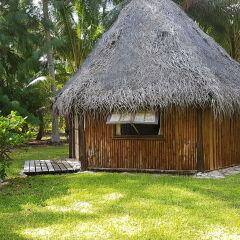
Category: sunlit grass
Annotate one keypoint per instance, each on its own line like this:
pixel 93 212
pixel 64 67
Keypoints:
pixel 117 206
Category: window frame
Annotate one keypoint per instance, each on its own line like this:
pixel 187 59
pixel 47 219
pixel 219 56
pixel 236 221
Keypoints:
pixel 140 137
pixel 132 119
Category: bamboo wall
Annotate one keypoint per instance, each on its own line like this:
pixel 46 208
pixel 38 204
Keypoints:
pixel 176 150
pixel 221 140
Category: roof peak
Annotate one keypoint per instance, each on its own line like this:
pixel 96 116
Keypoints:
pixel 154 56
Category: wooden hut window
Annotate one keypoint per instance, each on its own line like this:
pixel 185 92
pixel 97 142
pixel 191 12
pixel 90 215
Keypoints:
pixel 136 124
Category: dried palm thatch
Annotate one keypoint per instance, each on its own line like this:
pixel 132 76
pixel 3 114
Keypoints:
pixel 154 56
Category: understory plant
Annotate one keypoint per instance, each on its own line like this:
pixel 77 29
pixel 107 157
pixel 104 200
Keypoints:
pixel 11 136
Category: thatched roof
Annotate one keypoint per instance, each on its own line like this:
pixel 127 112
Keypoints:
pixel 154 56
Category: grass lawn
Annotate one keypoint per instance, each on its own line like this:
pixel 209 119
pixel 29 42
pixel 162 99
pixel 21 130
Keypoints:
pixel 115 206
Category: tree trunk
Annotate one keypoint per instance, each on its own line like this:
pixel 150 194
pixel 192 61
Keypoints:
pixel 233 43
pixel 55 133
pixel 41 128
pixel 40 132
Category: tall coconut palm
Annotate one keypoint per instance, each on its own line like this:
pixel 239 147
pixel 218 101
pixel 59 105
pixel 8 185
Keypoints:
pixel 55 133
pixel 78 26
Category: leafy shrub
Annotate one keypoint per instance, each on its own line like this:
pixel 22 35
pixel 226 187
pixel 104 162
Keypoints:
pixel 11 135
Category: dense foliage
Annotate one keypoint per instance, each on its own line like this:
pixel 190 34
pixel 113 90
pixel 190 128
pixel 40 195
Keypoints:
pixel 75 26
pixel 221 20
pixel 12 134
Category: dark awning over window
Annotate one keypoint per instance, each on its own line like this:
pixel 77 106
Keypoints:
pixel 134 118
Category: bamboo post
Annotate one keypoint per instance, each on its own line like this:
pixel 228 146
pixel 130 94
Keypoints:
pixel 82 143
pixel 200 150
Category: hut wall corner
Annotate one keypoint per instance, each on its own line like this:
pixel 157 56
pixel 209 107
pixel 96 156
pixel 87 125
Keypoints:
pixel 221 137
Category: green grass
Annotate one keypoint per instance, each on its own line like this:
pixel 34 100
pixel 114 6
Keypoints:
pixel 116 206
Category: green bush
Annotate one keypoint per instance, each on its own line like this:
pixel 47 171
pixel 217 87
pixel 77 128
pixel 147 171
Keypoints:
pixel 11 135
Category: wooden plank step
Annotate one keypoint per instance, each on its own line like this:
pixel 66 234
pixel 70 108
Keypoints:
pixel 38 166
pixel 44 166
pixel 32 168
pixel 57 169
pixel 67 165
pixel 35 167
pixel 26 168
pixel 49 165
pixel 63 168
pixel 61 165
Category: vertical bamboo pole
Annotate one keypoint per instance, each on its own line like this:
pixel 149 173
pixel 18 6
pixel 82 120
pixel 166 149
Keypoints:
pixel 70 135
pixel 82 142
pixel 200 150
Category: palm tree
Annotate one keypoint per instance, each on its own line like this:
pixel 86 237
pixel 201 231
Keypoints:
pixel 20 48
pixel 221 20
pixel 78 28
pixel 55 133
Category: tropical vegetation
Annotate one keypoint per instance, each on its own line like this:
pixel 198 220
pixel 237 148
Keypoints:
pixel 12 134
pixel 48 40
pixel 43 43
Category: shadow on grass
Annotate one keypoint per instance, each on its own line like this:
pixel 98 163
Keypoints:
pixel 142 196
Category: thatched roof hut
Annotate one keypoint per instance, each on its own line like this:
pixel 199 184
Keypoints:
pixel 154 56
pixel 162 82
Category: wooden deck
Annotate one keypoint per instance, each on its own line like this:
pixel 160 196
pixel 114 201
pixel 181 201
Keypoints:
pixel 37 167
